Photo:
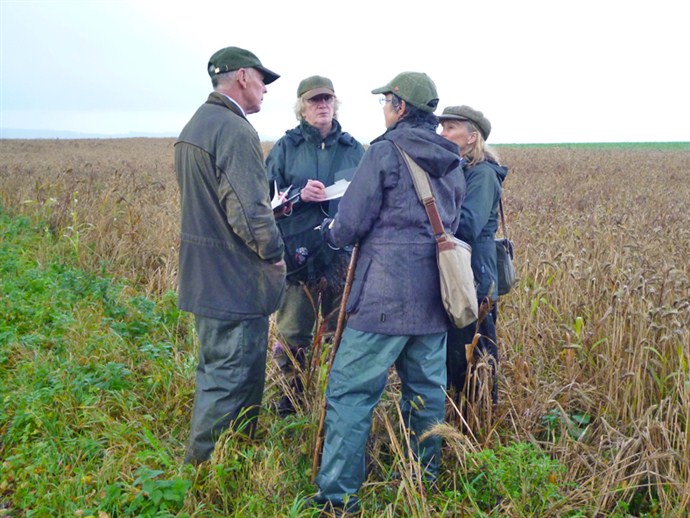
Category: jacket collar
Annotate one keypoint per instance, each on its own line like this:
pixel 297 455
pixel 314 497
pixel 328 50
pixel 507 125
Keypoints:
pixel 305 132
pixel 223 100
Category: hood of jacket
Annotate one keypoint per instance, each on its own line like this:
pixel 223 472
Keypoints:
pixel 501 171
pixel 437 155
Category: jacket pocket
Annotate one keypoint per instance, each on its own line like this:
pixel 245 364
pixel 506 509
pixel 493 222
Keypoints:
pixel 358 285
pixel 275 287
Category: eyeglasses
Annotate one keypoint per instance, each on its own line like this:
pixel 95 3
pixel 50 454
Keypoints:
pixel 328 99
pixel 383 101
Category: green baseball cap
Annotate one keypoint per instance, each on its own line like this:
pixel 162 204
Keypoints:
pixel 467 113
pixel 315 85
pixel 415 88
pixel 234 58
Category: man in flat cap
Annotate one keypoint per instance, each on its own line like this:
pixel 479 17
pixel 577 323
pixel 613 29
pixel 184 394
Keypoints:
pixel 231 268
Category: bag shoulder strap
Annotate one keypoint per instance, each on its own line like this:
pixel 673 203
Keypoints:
pixel 503 218
pixel 422 185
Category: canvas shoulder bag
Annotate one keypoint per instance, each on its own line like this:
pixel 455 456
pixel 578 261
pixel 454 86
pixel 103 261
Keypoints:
pixel 504 258
pixel 453 255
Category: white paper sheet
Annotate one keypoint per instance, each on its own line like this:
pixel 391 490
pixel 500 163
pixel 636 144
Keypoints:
pixel 337 189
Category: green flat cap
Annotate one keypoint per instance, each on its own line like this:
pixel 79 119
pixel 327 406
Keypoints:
pixel 467 113
pixel 234 58
pixel 415 88
pixel 315 85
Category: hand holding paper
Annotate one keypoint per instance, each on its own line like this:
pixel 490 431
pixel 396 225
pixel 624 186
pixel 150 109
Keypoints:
pixel 281 199
pixel 337 189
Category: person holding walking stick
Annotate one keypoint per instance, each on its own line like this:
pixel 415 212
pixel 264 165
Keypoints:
pixel 342 315
pixel 395 313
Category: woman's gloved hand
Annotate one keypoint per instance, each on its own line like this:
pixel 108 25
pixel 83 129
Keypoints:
pixel 325 231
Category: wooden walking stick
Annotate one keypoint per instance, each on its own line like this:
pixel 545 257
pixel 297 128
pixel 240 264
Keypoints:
pixel 315 350
pixel 340 327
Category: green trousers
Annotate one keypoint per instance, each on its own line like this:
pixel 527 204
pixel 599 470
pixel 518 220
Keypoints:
pixel 230 380
pixel 355 385
pixel 296 316
pixel 296 321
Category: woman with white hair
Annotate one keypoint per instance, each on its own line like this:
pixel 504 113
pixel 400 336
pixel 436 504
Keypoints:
pixel 307 159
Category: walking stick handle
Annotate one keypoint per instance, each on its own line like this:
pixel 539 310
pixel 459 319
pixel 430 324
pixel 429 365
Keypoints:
pixel 318 443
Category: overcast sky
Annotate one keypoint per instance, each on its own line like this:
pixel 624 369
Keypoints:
pixel 541 71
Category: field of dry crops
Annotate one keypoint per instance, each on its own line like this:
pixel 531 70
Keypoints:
pixel 595 347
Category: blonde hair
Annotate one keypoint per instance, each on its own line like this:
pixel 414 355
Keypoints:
pixel 479 150
pixel 302 102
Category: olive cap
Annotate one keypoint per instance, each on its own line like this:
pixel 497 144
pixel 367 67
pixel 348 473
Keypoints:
pixel 467 113
pixel 315 85
pixel 234 58
pixel 415 88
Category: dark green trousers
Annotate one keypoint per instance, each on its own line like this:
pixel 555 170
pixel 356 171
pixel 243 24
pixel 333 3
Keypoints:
pixel 296 322
pixel 456 360
pixel 296 317
pixel 230 380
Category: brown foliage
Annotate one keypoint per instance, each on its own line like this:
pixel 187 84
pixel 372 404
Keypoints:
pixel 116 197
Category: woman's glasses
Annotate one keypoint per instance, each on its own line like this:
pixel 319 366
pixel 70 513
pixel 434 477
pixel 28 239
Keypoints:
pixel 324 98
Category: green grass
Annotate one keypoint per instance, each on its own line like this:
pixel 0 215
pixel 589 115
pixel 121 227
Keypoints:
pixel 97 383
pixel 86 370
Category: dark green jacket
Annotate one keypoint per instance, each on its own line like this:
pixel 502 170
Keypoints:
pixel 479 222
pixel 301 155
pixel 229 240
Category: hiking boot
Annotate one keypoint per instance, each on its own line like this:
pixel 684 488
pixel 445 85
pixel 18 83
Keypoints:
pixel 293 395
pixel 285 407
